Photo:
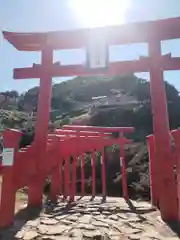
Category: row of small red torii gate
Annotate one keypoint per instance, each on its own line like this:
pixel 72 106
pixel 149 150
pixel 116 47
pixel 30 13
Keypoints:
pixel 44 156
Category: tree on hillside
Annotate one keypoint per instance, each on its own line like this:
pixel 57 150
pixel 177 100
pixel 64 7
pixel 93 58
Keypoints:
pixel 13 94
pixel 63 104
pixel 128 83
pixel 6 98
pixel 142 91
pixel 171 92
pixel 30 99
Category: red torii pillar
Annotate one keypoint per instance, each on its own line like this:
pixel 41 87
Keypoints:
pixel 36 186
pixel 163 155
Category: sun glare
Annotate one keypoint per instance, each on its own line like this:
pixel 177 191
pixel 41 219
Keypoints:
pixel 98 13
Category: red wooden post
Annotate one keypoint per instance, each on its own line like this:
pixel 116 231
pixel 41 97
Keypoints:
pixel 55 184
pixel 8 188
pixel 67 177
pixel 123 168
pixel 61 176
pixel 93 174
pixel 166 185
pixel 74 178
pixel 44 99
pixel 176 136
pixel 52 164
pixel 62 166
pixel 178 181
pixel 103 170
pixel 82 174
pixel 153 171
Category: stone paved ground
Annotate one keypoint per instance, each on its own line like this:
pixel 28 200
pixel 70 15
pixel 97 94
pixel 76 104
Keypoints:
pixel 110 220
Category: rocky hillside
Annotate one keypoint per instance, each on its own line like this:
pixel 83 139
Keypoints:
pixel 121 100
pixel 118 101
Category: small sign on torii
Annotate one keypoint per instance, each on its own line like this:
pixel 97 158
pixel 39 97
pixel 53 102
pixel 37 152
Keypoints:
pixel 8 157
pixel 97 51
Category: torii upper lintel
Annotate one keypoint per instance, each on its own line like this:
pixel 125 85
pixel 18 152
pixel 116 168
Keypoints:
pixel 117 35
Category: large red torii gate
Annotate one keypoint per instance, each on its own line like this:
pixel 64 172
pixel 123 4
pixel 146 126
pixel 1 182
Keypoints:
pixel 149 32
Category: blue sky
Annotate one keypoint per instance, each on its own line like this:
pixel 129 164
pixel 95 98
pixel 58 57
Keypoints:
pixel 46 15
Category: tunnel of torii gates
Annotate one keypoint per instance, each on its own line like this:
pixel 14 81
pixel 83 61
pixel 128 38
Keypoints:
pixel 164 189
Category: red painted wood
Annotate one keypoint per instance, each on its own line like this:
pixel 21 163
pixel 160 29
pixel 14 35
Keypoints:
pixel 114 69
pixel 74 178
pixel 166 186
pixel 103 172
pixel 153 173
pixel 123 168
pixel 99 129
pixel 176 150
pixel 44 99
pixel 93 173
pixel 8 189
pixel 82 175
pixel 123 34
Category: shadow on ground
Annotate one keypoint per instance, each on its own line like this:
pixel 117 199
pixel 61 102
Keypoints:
pixel 82 206
pixel 21 218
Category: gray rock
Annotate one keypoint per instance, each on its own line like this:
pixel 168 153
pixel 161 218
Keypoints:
pixel 135 236
pixel 74 233
pixel 122 215
pixel 20 234
pixel 64 216
pixel 112 232
pixel 110 222
pixel 57 238
pixel 132 217
pixel 100 224
pixel 42 229
pixel 48 238
pixel 89 227
pixel 85 219
pixel 114 217
pixel 73 218
pixel 66 222
pixel 90 210
pixel 33 223
pixel 151 233
pixel 30 235
pixel 57 230
pixel 112 209
pixel 49 221
pixel 95 213
pixel 106 213
pixel 129 231
pixel 93 235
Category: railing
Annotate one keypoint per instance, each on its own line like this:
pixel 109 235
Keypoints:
pixel 60 147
